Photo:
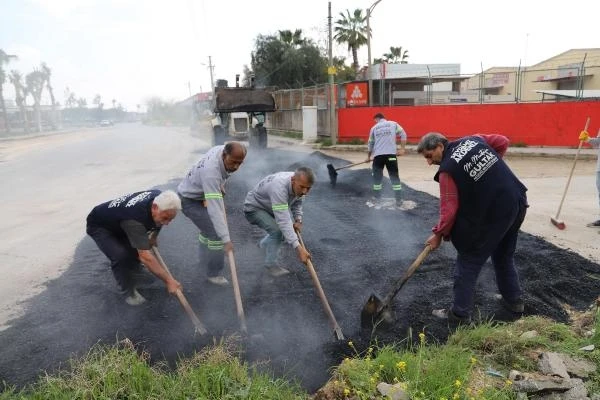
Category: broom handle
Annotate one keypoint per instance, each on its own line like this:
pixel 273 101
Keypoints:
pixel 587 123
pixel 351 165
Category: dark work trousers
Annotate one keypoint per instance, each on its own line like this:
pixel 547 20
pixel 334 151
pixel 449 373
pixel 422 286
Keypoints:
pixel 390 162
pixel 124 259
pixel 498 242
pixel 211 247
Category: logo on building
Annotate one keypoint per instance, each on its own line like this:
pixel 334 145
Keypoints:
pixel 358 94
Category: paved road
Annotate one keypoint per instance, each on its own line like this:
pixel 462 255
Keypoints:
pixel 51 182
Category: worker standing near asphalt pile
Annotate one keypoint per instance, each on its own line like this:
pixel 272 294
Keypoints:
pixel 482 207
pixel 126 228
pixel 201 192
pixel 595 143
pixel 271 205
pixel 382 149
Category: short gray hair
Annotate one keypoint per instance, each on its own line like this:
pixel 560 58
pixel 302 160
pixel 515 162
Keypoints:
pixel 307 172
pixel 430 141
pixel 168 200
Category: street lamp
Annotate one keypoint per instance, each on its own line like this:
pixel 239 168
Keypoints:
pixel 369 11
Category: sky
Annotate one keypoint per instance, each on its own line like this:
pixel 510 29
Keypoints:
pixel 131 50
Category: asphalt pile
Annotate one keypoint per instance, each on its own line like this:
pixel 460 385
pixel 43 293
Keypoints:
pixel 357 250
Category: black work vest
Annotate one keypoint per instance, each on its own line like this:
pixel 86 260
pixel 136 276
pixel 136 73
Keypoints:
pixel 487 189
pixel 134 206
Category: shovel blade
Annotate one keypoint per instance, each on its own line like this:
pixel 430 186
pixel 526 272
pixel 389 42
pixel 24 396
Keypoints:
pixel 370 311
pixel 332 174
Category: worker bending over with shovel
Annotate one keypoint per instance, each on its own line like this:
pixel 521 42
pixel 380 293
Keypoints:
pixel 201 192
pixel 482 207
pixel 382 149
pixel 126 228
pixel 271 205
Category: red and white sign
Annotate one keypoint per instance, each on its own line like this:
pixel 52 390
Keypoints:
pixel 357 94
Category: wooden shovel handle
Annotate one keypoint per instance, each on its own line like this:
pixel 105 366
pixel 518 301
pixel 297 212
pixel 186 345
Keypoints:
pixel 400 282
pixel 181 297
pixel 321 293
pixel 236 292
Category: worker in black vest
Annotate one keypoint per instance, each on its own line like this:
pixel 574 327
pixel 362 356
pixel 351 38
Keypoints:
pixel 126 228
pixel 482 207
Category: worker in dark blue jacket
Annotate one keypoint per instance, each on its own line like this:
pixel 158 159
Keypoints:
pixel 482 207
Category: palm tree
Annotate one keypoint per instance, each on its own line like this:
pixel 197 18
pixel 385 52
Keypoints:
pixel 35 85
pixel 396 55
pixel 4 59
pixel 291 38
pixel 47 74
pixel 352 29
pixel 16 78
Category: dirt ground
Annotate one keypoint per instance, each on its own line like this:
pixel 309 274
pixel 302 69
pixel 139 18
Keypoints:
pixel 357 250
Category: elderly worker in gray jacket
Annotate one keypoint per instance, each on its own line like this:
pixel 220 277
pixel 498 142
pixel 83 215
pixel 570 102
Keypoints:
pixel 271 205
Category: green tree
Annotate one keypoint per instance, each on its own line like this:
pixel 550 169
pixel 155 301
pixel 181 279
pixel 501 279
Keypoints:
pixel 16 78
pixel 4 59
pixel 344 72
pixel 351 29
pixel 35 85
pixel 275 62
pixel 291 38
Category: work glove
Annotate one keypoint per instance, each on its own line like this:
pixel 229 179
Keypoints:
pixel 584 136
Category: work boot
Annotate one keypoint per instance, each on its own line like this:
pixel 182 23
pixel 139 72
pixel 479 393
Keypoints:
pixel 448 314
pixel 516 306
pixel 134 298
pixel 275 270
pixel 595 224
pixel 218 280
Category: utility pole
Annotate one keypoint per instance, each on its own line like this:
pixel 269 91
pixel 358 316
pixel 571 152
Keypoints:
pixel 332 99
pixel 210 68
pixel 369 11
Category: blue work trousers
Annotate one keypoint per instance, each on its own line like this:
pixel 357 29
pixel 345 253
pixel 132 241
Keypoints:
pixel 272 242
pixel 499 242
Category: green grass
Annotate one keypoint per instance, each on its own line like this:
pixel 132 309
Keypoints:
pixel 459 369
pixel 119 372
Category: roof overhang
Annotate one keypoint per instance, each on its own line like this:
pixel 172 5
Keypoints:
pixel 580 94
pixel 562 78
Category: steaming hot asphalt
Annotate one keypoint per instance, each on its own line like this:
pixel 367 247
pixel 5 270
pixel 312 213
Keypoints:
pixel 356 249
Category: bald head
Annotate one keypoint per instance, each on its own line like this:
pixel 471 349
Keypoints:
pixel 233 156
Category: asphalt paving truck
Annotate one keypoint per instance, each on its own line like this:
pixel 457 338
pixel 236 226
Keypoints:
pixel 240 113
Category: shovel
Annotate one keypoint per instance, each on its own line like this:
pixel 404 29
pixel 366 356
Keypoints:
pixel 313 274
pixel 199 327
pixel 333 171
pixel 376 310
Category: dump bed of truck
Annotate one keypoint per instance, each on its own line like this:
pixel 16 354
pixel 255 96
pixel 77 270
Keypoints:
pixel 243 100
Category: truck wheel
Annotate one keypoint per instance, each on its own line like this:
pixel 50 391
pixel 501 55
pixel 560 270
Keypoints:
pixel 262 137
pixel 219 135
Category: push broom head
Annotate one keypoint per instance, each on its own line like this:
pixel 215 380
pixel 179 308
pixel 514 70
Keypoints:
pixel 332 174
pixel 558 223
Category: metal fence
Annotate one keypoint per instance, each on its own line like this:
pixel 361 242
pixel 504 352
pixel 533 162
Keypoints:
pixel 570 82
pixel 289 102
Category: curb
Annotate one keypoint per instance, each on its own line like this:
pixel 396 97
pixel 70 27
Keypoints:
pixel 512 152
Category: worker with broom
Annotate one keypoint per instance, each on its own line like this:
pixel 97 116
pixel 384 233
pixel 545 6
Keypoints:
pixel 482 207
pixel 382 149
pixel 201 192
pixel 271 205
pixel 126 228
pixel 595 143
